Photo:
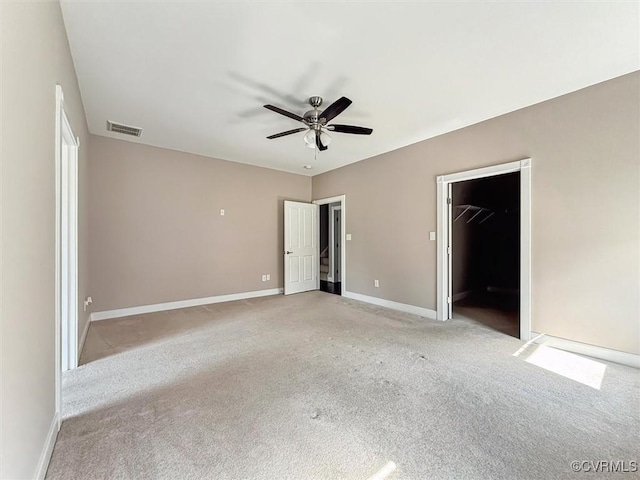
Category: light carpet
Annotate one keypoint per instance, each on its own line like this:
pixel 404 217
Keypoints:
pixel 316 386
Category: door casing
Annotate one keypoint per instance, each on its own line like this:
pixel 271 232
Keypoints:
pixel 332 245
pixel 343 237
pixel 66 246
pixel 444 238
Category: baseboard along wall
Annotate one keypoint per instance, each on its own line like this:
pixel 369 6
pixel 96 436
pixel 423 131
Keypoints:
pixel 83 338
pixel 47 449
pixel 615 356
pixel 194 302
pixel 601 353
pixel 381 302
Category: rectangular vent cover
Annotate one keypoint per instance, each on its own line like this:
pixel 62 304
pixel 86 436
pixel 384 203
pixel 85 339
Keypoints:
pixel 124 129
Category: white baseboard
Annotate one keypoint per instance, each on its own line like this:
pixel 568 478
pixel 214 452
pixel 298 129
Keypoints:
pixel 403 307
pixel 83 338
pixel 194 302
pixel 594 351
pixel 47 450
pixel 461 295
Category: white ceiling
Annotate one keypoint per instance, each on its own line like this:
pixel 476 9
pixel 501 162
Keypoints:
pixel 195 75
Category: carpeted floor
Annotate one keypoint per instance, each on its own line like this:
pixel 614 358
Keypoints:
pixel 316 386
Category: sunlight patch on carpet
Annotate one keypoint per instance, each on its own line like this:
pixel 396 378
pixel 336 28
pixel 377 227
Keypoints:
pixel 384 472
pixel 569 365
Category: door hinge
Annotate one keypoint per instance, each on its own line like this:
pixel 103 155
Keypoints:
pixel 448 250
pixel 449 201
pixel 448 299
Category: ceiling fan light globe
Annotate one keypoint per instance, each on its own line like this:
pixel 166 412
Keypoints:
pixel 310 138
pixel 325 138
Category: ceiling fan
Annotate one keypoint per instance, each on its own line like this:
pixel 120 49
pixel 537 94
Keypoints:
pixel 316 122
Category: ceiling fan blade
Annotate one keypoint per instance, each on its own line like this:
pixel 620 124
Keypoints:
pixel 319 144
pixel 284 112
pixel 350 129
pixel 288 132
pixel 335 109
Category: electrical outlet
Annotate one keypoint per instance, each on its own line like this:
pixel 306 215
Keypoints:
pixel 222 212
pixel 268 276
pixel 264 278
pixel 376 283
pixel 348 236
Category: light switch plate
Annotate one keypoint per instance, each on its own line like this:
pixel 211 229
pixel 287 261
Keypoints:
pixel 348 236
pixel 432 236
pixel 222 212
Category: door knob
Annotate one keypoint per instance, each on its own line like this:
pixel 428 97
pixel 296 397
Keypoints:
pixel 288 252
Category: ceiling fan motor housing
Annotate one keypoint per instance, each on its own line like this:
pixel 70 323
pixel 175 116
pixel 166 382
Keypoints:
pixel 312 117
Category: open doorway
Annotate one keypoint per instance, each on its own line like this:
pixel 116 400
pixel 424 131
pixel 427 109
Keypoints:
pixel 485 251
pixel 331 244
pixel 446 220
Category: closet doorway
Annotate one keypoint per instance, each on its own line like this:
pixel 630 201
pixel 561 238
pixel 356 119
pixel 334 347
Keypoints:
pixel 485 251
pixel 478 211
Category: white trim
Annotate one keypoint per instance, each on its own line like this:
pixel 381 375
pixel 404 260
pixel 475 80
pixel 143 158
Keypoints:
pixel 594 351
pixel 461 295
pixel 483 172
pixel 66 227
pixel 58 286
pixel 332 240
pixel 194 302
pixel 403 307
pixel 343 245
pixel 526 324
pixel 47 449
pixel 324 201
pixel 84 337
pixel 443 182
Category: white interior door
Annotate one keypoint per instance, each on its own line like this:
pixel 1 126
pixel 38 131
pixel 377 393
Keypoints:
pixel 300 247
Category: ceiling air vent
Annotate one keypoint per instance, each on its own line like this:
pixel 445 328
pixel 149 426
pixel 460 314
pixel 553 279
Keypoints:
pixel 124 129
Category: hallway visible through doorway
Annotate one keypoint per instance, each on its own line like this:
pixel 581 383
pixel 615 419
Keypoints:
pixel 330 247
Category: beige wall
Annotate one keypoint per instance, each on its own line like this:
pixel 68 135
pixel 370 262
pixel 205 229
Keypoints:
pixel 157 234
pixel 35 57
pixel 586 210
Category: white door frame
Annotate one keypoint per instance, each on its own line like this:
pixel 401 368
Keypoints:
pixel 444 225
pixel 332 240
pixel 66 248
pixel 343 237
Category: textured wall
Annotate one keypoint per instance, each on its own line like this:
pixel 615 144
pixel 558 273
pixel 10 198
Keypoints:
pixel 586 210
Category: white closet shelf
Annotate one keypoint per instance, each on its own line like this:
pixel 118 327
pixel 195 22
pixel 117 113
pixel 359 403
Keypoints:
pixel 476 210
